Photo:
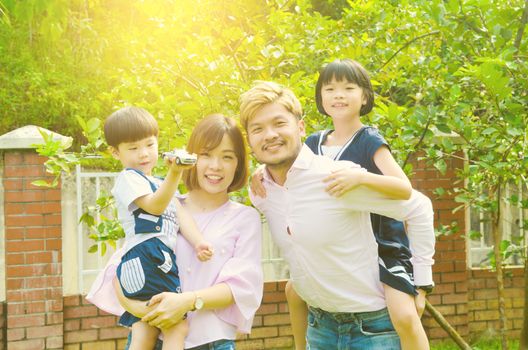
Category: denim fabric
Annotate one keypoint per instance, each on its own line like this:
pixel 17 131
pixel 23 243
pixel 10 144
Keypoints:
pixel 351 331
pixel 222 344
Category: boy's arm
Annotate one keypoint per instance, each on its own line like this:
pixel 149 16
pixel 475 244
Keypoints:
pixel 156 202
pixel 192 234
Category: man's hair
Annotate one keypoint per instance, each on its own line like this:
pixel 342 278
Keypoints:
pixel 348 70
pixel 263 93
pixel 129 124
pixel 207 135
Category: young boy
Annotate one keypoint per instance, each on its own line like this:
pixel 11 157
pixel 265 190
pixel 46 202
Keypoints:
pixel 151 218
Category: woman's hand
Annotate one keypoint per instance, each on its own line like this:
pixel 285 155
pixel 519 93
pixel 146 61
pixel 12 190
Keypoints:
pixel 256 186
pixel 344 180
pixel 169 309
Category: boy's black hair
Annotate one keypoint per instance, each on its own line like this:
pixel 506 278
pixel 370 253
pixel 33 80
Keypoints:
pixel 129 124
pixel 349 70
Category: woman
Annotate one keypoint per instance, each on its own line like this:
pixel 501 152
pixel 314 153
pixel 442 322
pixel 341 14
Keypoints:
pixel 221 296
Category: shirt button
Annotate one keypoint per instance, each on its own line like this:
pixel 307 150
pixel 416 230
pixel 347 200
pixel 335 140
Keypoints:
pixel 189 269
pixel 222 251
pixel 158 228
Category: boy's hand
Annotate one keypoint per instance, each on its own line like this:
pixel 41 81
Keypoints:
pixel 419 300
pixel 344 180
pixel 204 251
pixel 256 186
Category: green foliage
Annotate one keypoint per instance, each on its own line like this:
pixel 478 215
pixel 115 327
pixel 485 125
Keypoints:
pixel 437 66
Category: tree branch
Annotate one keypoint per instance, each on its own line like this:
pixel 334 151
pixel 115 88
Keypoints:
pixel 407 44
pixel 520 31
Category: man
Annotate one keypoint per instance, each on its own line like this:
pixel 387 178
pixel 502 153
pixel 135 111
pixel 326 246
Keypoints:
pixel 327 241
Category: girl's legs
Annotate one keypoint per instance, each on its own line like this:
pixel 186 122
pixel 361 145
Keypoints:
pixel 298 316
pixel 143 336
pixel 174 338
pixel 404 317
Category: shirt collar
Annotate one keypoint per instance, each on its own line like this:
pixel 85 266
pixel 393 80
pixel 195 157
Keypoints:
pixel 303 161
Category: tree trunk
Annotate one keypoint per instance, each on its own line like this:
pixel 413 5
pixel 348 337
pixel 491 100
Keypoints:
pixel 446 326
pixel 523 342
pixel 497 235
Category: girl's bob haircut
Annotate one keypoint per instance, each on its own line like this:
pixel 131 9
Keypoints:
pixel 207 135
pixel 348 70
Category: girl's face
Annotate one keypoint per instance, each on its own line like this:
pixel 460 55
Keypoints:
pixel 342 98
pixel 215 169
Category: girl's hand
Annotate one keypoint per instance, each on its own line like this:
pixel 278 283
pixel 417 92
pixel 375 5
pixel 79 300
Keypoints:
pixel 344 180
pixel 169 309
pixel 204 251
pixel 256 186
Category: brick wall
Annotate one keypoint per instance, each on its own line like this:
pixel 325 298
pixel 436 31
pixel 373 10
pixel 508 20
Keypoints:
pixel 3 326
pixel 33 255
pixel 450 296
pixel 88 328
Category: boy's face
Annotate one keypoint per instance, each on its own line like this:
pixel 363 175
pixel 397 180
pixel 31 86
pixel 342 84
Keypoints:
pixel 141 155
pixel 274 135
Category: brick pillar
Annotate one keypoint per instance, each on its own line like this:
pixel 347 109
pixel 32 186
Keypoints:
pixel 33 246
pixel 450 271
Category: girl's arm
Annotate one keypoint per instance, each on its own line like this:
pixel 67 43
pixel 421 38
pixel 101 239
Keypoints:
pixel 399 186
pixel 170 308
pixel 393 183
pixel 192 234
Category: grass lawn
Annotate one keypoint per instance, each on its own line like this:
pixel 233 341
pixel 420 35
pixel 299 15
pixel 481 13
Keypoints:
pixel 479 345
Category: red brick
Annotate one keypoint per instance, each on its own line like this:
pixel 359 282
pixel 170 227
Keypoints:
pixel 22 197
pixel 454 298
pixel 43 282
pixel 24 245
pixel 274 297
pixel 27 270
pixel 71 300
pixel 255 344
pixel 52 195
pixel 42 208
pixel 454 277
pixel 72 325
pixel 27 307
pixel 277 343
pixel 25 321
pixel 15 283
pixel 52 219
pixel 33 344
pixel 24 171
pixel 39 257
pixel 34 158
pixel 24 295
pixel 55 305
pixel 266 309
pixel 271 320
pixel 100 345
pixel 54 342
pixel 98 322
pixel 80 311
pixel 264 332
pixel 53 317
pixel 44 331
pixel 270 287
pixel 53 244
pixel 80 336
pixel 14 158
pixel 16 334
pixel 15 209
pixel 15 258
pixel 24 220
pixel 113 333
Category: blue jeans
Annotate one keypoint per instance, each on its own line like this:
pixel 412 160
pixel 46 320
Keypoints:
pixel 350 331
pixel 222 344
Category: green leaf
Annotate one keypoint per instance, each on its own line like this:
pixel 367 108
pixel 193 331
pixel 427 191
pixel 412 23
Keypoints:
pixel 93 249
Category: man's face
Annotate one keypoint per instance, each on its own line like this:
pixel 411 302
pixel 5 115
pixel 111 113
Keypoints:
pixel 274 135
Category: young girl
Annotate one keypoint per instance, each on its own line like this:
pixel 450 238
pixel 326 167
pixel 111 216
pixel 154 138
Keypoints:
pixel 344 92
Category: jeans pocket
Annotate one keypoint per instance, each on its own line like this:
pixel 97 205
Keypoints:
pixel 377 326
pixel 312 319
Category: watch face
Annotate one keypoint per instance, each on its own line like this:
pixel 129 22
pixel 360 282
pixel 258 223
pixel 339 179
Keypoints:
pixel 198 304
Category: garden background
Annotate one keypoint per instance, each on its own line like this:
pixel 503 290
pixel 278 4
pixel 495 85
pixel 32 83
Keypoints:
pixel 450 76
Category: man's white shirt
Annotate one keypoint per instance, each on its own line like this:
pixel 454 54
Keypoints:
pixel 328 241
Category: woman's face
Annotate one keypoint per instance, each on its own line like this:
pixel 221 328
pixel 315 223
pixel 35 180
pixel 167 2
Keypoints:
pixel 215 169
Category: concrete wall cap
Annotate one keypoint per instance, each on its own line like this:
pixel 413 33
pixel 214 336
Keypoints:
pixel 28 136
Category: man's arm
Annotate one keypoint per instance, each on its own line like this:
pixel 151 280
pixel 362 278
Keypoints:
pixel 417 212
